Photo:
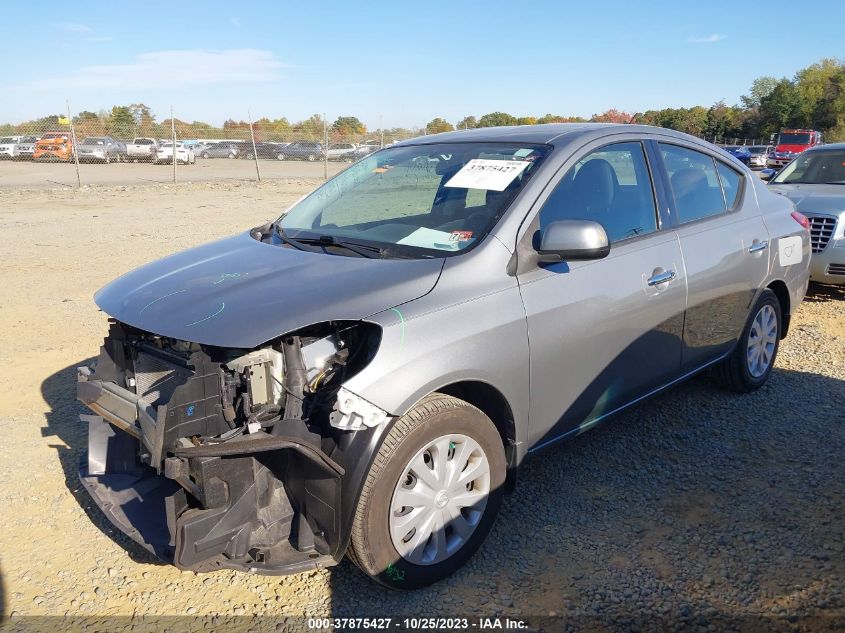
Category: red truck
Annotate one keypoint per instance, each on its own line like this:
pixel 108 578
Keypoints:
pixel 790 143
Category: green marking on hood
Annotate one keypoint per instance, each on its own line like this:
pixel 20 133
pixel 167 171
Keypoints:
pixel 159 299
pixel 210 316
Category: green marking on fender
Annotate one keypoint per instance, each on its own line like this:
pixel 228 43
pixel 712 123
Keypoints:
pixel 210 316
pixel 402 334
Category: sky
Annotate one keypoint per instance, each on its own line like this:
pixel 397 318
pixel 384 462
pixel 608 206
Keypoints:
pixel 400 64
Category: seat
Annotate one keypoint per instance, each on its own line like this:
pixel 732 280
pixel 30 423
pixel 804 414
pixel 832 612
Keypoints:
pixel 691 192
pixel 593 190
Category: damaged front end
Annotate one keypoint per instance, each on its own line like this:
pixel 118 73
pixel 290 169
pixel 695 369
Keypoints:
pixel 230 458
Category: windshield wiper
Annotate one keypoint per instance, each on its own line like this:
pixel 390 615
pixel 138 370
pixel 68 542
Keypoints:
pixel 329 240
pixel 297 244
pixel 303 244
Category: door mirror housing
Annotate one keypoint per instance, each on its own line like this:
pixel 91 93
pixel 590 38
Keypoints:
pixel 767 174
pixel 573 240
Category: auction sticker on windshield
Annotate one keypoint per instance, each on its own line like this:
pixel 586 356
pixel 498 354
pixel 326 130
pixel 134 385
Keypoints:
pixel 483 173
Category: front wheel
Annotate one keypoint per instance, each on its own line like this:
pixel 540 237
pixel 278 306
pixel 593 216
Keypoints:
pixel 431 495
pixel 280 156
pixel 750 364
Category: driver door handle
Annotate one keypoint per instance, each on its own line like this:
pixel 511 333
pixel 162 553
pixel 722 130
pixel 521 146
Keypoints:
pixel 756 247
pixel 661 278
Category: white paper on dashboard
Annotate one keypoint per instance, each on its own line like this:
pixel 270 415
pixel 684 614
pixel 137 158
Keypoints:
pixel 483 173
pixel 789 250
pixel 430 238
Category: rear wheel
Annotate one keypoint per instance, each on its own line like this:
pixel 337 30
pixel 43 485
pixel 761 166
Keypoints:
pixel 280 156
pixel 431 495
pixel 750 364
pixel 312 158
pixel 250 156
pixel 204 154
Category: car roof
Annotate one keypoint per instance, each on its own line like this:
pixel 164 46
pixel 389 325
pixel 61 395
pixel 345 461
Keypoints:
pixel 547 133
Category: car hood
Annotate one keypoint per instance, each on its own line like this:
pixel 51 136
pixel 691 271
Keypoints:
pixel 239 292
pixel 814 198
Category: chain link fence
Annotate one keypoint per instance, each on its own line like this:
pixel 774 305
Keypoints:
pixel 74 150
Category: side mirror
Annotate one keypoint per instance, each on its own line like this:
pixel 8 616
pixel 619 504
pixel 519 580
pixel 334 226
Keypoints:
pixel 767 174
pixel 573 240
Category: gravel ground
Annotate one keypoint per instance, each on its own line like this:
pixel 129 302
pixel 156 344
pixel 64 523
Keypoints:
pixel 697 510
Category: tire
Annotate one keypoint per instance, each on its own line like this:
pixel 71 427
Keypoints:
pixel 204 155
pixel 436 419
pixel 108 159
pixel 280 156
pixel 250 156
pixel 231 156
pixel 311 158
pixel 739 372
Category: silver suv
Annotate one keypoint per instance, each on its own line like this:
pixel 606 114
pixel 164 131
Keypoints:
pixel 366 374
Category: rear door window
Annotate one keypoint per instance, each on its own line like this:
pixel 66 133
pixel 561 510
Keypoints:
pixel 695 183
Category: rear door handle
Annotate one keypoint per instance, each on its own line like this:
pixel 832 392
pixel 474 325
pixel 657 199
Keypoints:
pixel 756 247
pixel 661 278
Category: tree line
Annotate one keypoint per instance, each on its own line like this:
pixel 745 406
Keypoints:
pixel 814 98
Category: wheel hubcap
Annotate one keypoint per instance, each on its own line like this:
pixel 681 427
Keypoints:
pixel 439 500
pixel 762 339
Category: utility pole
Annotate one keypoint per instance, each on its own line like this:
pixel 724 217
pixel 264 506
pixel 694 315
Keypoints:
pixel 73 146
pixel 254 151
pixel 381 129
pixel 173 137
pixel 325 148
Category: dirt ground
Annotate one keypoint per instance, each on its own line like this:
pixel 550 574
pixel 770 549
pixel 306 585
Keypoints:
pixel 606 544
pixel 29 174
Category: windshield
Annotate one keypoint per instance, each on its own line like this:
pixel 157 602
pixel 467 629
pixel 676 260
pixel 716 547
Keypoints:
pixel 758 149
pixel 818 168
pixel 794 138
pixel 417 201
pixel 7 140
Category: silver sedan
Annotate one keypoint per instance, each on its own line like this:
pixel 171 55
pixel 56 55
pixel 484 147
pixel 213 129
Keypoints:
pixel 367 373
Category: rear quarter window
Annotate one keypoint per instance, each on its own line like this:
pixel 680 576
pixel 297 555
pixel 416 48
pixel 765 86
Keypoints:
pixel 731 182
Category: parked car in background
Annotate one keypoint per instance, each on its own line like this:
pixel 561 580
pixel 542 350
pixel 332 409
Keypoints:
pixel 358 153
pixel 368 373
pixel 7 146
pixel 262 150
pixel 220 150
pixel 302 150
pixel 184 155
pixel 199 148
pixel 142 149
pixel 337 150
pixel 740 152
pixel 791 143
pixel 759 156
pixel 54 146
pixel 103 149
pixel 24 148
pixel 815 182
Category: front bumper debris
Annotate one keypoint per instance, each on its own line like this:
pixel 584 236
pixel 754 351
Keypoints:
pixel 260 503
